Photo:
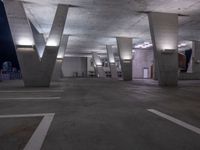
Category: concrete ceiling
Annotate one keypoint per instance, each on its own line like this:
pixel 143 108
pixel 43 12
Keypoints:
pixel 92 24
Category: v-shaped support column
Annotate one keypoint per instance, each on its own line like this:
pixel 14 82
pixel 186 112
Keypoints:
pixel 36 71
pixel 164 34
pixel 98 66
pixel 57 73
pixel 111 60
pixel 40 46
pixel 126 58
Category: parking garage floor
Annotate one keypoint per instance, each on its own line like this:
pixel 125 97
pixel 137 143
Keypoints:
pixel 100 114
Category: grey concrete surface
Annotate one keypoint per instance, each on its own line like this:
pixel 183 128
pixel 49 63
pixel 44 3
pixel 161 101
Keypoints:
pixel 164 35
pixel 16 132
pixel 142 59
pixel 98 66
pixel 124 46
pixel 95 23
pixel 101 114
pixel 39 40
pixel 35 71
pixel 111 60
pixel 73 65
pixel 57 72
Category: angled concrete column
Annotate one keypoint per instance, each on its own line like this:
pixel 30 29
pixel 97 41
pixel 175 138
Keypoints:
pixel 98 66
pixel 196 57
pixel 40 46
pixel 57 73
pixel 126 58
pixel 111 60
pixel 39 40
pixel 164 34
pixel 35 71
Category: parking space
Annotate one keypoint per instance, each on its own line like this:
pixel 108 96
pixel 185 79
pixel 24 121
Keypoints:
pixel 102 114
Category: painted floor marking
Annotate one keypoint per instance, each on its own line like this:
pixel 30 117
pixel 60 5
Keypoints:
pixel 31 91
pixel 38 137
pixel 176 121
pixel 30 98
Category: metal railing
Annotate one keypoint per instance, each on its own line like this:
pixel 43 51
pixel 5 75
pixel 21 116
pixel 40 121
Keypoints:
pixel 11 76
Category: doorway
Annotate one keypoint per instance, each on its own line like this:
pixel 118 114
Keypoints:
pixel 146 73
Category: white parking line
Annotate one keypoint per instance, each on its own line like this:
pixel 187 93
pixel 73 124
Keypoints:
pixel 38 137
pixel 31 91
pixel 29 98
pixel 176 121
pixel 23 115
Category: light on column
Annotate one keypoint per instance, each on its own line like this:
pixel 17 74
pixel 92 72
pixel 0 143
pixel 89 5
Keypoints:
pixel 98 63
pixel 112 60
pixel 25 42
pixel 51 42
pixel 126 56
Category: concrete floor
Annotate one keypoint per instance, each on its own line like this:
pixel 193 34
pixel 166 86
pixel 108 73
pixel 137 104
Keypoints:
pixel 102 114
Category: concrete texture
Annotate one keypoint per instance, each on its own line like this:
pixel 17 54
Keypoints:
pixel 35 71
pixel 39 41
pixel 74 65
pixel 98 66
pixel 16 132
pixel 57 72
pixel 196 57
pixel 94 23
pixel 101 114
pixel 125 53
pixel 142 59
pixel 164 34
pixel 111 60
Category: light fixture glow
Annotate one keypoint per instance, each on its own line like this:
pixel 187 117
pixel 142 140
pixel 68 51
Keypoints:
pixel 52 43
pixel 112 61
pixel 25 42
pixel 60 56
pixel 144 45
pixel 127 57
pixel 98 63
pixel 182 45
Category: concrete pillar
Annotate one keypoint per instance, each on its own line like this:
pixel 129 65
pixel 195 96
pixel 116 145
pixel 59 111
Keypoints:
pixel 57 73
pixel 40 46
pixel 39 40
pixel 98 66
pixel 126 58
pixel 35 71
pixel 196 57
pixel 164 34
pixel 111 60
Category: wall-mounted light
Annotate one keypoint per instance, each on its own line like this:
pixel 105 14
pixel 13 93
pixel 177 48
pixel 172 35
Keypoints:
pixel 25 42
pixel 111 60
pixel 51 43
pixel 98 64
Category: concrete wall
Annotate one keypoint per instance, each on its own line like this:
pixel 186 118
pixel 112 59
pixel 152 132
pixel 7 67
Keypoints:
pixel 90 67
pixel 142 59
pixel 74 64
